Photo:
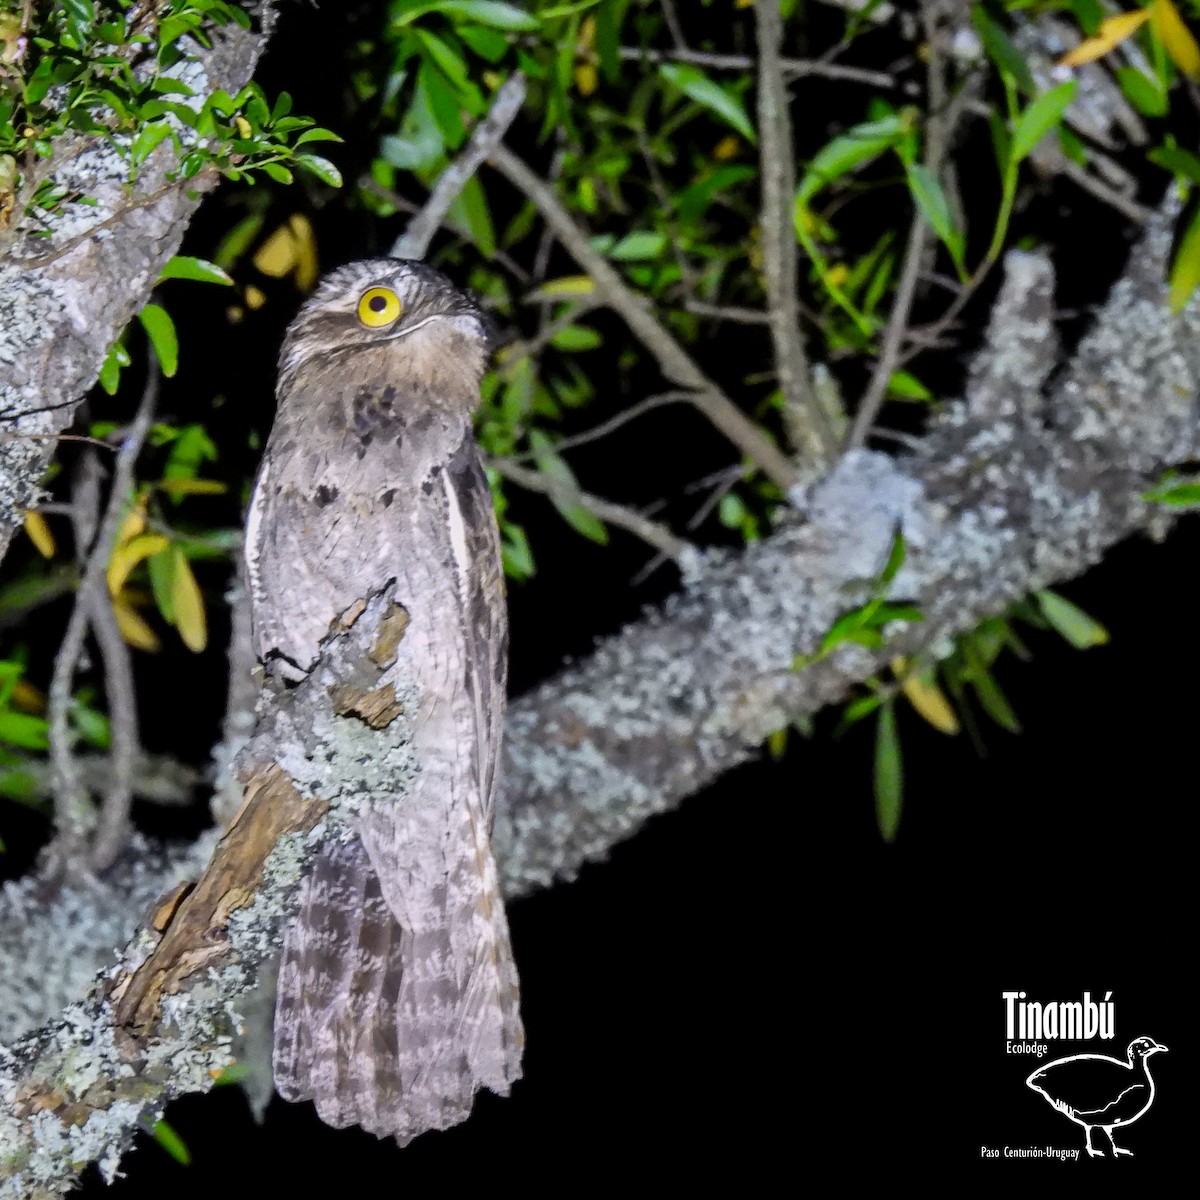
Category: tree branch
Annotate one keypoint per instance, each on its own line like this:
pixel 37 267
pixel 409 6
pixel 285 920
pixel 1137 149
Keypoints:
pixel 414 241
pixel 65 298
pixel 651 532
pixel 793 68
pixel 991 507
pixel 777 173
pixel 672 359
pixel 73 812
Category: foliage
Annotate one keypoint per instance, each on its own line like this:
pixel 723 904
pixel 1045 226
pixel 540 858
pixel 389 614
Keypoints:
pixel 656 155
pixel 114 70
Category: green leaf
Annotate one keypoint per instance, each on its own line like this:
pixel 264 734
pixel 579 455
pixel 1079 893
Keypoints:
pixel 895 561
pixel 419 143
pixel 1183 163
pixel 1001 50
pixel 694 201
pixel 1174 489
pixel 322 168
pixel 1040 117
pixel 638 246
pixel 515 552
pixel 93 726
pixel 110 371
pixel 575 338
pixel 276 171
pixel 22 729
pixel 185 266
pixel 904 386
pixel 993 700
pixel 444 57
pixel 171 1142
pixel 1071 621
pixel 444 104
pixel 470 213
pixel 162 583
pixel 564 488
pixel 1144 92
pixel 318 135
pixel 697 86
pixel 160 329
pixel 889 774
pixel 933 205
pixel 491 12
pixel 854 148
pixel 1185 270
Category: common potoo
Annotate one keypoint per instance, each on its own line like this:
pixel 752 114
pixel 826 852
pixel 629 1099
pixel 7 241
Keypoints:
pixel 397 992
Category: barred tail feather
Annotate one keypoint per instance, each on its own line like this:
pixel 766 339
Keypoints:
pixel 387 1029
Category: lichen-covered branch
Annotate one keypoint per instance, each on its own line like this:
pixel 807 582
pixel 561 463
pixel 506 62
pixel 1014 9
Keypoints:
pixel 65 297
pixel 1004 497
pixel 161 1021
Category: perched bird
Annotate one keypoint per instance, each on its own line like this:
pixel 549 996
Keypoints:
pixel 1099 1092
pixel 397 993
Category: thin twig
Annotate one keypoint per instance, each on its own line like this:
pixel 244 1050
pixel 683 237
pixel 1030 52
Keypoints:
pixel 672 359
pixel 73 812
pixel 727 312
pixel 939 127
pixel 414 241
pixel 793 68
pixel 778 181
pixel 672 19
pixel 605 427
pixel 651 532
pixel 514 352
pixel 112 828
pixel 120 695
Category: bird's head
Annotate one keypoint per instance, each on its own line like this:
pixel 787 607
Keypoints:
pixel 1143 1047
pixel 403 309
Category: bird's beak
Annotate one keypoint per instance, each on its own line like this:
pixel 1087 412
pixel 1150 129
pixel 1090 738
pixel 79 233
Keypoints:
pixel 1157 1046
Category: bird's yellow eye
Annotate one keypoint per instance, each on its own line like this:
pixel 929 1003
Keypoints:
pixel 379 306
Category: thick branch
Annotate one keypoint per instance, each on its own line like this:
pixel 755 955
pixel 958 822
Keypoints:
pixel 992 508
pixel 65 298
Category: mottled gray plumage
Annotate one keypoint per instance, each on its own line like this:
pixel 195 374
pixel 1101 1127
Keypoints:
pixel 397 992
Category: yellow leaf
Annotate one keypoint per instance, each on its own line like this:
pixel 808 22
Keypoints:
pixel 586 78
pixel 1112 32
pixel 307 267
pixel 187 603
pixel 277 255
pixel 133 629
pixel 191 487
pixel 27 698
pixel 128 554
pixel 255 297
pixel 1176 38
pixel 39 533
pixel 243 127
pixel 926 697
pixel 132 524
pixel 726 148
pixel 565 285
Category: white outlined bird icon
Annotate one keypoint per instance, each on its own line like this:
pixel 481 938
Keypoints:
pixel 1099 1092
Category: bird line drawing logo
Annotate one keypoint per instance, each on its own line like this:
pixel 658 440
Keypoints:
pixel 1099 1092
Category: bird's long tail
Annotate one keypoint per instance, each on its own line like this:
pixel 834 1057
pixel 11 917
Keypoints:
pixel 388 1027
